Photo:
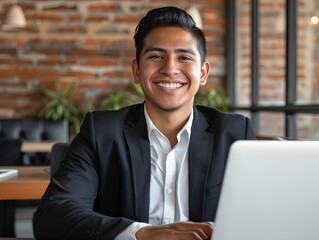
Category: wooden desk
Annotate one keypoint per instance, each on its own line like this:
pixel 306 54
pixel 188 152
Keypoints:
pixel 32 146
pixel 30 183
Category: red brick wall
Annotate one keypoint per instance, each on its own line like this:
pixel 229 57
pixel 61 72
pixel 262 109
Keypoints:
pixel 90 42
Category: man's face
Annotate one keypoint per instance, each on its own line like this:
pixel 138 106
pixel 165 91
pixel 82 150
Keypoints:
pixel 170 70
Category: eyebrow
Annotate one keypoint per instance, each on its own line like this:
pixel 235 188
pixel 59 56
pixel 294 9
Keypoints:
pixel 178 50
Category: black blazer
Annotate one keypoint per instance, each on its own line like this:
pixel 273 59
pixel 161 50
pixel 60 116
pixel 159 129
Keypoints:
pixel 103 184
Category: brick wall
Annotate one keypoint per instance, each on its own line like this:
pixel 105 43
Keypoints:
pixel 90 42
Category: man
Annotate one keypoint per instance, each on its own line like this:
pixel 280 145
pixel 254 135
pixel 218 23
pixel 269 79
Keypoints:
pixel 152 170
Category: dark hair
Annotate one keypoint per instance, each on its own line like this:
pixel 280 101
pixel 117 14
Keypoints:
pixel 166 17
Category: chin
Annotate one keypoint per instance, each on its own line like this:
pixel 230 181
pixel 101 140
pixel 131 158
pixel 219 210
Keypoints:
pixel 169 108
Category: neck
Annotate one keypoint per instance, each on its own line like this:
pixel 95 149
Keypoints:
pixel 169 122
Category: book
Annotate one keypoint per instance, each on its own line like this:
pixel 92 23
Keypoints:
pixel 7 173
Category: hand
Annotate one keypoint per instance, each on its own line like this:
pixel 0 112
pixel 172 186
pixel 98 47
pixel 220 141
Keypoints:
pixel 176 231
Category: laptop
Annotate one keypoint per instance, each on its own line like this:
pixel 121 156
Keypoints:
pixel 270 192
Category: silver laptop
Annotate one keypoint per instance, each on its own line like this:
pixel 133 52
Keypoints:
pixel 270 192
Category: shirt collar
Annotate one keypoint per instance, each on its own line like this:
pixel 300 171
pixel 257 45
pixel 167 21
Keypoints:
pixel 151 127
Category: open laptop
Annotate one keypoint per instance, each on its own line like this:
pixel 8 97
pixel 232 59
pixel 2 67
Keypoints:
pixel 270 192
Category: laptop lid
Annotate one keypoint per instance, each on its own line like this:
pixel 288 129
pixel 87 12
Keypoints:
pixel 270 192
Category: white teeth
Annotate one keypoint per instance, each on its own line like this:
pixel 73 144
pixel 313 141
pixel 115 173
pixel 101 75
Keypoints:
pixel 169 85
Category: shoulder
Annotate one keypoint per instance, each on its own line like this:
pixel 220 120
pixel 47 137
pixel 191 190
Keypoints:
pixel 113 119
pixel 214 115
pixel 119 115
pixel 232 124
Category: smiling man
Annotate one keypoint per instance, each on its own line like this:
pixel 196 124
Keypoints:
pixel 170 70
pixel 152 170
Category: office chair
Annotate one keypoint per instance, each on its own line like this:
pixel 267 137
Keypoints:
pixel 58 152
pixel 10 152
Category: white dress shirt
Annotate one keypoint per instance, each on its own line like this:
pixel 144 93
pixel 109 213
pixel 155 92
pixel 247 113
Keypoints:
pixel 169 184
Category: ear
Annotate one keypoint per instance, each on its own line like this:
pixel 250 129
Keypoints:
pixel 135 71
pixel 205 70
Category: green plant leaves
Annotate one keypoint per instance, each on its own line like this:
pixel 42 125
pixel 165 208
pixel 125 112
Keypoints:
pixel 61 106
pixel 120 99
pixel 214 97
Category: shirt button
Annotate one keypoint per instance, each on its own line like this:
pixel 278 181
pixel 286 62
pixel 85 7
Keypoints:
pixel 169 190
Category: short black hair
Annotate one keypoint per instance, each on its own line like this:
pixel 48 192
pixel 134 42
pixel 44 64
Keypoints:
pixel 166 17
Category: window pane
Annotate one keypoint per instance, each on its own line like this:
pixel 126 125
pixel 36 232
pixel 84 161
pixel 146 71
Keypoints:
pixel 271 52
pixel 272 63
pixel 308 126
pixel 243 56
pixel 271 124
pixel 308 52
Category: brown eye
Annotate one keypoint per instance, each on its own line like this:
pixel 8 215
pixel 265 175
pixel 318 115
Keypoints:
pixel 185 58
pixel 155 56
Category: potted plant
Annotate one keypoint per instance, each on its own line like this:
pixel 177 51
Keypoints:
pixel 60 105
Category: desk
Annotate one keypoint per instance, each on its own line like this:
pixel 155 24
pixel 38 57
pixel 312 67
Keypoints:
pixel 32 146
pixel 30 183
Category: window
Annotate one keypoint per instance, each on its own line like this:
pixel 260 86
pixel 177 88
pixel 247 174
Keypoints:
pixel 273 65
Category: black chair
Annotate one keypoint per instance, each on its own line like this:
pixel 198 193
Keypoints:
pixel 35 129
pixel 10 155
pixel 10 152
pixel 58 152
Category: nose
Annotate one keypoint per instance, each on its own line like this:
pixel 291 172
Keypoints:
pixel 170 66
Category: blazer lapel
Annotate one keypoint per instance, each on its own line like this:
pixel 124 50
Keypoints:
pixel 139 148
pixel 200 151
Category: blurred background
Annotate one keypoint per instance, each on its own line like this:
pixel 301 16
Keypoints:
pixel 90 44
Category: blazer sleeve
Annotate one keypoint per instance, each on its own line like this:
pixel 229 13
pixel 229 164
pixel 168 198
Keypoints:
pixel 66 210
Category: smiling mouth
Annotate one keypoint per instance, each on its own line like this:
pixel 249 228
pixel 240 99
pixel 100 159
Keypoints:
pixel 170 85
